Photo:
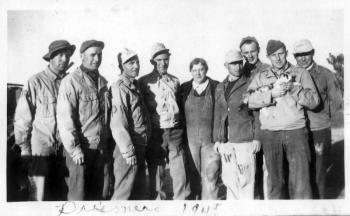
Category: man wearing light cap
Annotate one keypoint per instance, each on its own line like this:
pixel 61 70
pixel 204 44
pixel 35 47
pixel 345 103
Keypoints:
pixel 282 92
pixel 234 131
pixel 319 117
pixel 250 50
pixel 130 128
pixel 82 121
pixel 35 125
pixel 162 96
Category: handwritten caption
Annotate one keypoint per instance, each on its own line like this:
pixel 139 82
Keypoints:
pixel 79 208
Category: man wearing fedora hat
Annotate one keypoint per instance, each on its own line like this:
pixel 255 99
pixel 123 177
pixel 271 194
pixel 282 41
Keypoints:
pixel 130 126
pixel 82 121
pixel 35 124
pixel 234 131
pixel 320 117
pixel 282 92
pixel 162 96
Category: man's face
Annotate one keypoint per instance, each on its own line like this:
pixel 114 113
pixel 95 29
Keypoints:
pixel 250 52
pixel 92 58
pixel 304 59
pixel 234 68
pixel 198 72
pixel 131 68
pixel 60 61
pixel 278 58
pixel 161 63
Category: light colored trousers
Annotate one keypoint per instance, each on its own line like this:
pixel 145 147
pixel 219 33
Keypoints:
pixel 238 169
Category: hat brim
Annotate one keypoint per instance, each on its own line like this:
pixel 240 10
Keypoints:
pixel 48 55
pixel 161 52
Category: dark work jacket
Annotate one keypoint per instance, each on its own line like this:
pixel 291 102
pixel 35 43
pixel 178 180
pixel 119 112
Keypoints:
pixel 233 121
pixel 186 90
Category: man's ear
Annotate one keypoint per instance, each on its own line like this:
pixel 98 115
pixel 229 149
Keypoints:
pixel 81 55
pixel 226 65
pixel 152 61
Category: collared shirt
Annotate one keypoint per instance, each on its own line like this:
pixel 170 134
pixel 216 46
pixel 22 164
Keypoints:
pixel 35 124
pixel 199 88
pixel 330 97
pixel 130 124
pixel 287 113
pixel 82 112
pixel 161 94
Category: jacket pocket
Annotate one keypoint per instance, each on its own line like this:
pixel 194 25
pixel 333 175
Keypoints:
pixel 46 106
pixel 88 106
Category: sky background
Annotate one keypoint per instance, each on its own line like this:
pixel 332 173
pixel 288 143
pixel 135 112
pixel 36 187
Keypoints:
pixel 190 29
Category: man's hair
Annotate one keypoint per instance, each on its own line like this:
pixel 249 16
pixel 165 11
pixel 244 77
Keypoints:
pixel 199 61
pixel 250 42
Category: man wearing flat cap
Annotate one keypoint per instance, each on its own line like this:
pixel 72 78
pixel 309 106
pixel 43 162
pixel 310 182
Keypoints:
pixel 319 117
pixel 162 96
pixel 82 121
pixel 35 125
pixel 282 92
pixel 234 131
pixel 250 50
pixel 130 126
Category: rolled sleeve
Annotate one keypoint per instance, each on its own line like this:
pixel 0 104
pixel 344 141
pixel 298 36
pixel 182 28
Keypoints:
pixel 66 113
pixel 119 122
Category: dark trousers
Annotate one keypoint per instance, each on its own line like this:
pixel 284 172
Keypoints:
pixel 291 145
pixel 88 181
pixel 130 180
pixel 47 177
pixel 320 145
pixel 166 146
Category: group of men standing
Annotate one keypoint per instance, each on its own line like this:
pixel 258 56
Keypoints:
pixel 82 137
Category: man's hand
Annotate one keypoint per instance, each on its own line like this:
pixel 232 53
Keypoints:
pixel 256 146
pixel 132 160
pixel 277 90
pixel 287 86
pixel 78 158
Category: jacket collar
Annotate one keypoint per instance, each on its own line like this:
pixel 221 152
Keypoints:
pixel 239 83
pixel 52 75
pixel 128 82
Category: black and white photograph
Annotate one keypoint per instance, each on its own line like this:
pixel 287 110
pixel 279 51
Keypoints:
pixel 175 107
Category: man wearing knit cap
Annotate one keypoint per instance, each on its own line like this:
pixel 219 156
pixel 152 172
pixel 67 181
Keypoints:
pixel 319 117
pixel 282 92
pixel 250 50
pixel 130 126
pixel 234 131
pixel 35 125
pixel 82 121
pixel 161 91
